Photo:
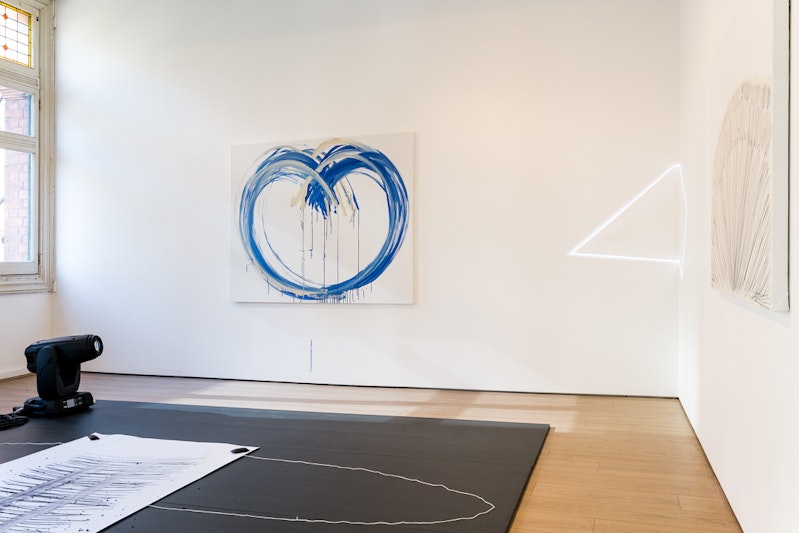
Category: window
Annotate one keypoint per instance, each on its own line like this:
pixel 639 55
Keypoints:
pixel 26 145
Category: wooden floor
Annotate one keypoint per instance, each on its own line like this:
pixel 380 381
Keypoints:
pixel 610 464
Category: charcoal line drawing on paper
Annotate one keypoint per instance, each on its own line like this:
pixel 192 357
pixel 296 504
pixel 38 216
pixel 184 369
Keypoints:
pixel 325 221
pixel 88 484
pixel 51 497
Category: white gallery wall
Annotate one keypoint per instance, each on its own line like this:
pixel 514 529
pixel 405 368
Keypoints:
pixel 535 121
pixel 738 364
pixel 25 318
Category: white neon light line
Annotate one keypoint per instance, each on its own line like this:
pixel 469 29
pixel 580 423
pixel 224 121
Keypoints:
pixel 628 258
pixel 684 220
pixel 599 229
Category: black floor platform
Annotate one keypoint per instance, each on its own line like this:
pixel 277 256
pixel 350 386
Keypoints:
pixel 326 472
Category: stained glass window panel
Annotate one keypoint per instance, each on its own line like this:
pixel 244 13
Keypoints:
pixel 15 35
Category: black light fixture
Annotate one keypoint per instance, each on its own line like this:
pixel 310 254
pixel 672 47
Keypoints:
pixel 56 363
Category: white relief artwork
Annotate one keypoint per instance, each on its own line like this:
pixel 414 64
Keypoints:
pixel 749 113
pixel 743 221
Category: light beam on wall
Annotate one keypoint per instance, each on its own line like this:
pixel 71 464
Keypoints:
pixel 589 247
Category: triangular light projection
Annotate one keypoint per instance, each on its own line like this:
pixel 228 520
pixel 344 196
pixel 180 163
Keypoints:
pixel 648 227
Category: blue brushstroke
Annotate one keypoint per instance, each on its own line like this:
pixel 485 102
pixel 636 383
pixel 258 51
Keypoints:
pixel 322 170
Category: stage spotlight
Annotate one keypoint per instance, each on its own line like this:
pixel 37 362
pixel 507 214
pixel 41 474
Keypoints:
pixel 56 363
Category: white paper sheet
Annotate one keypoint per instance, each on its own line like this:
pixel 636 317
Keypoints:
pixel 90 483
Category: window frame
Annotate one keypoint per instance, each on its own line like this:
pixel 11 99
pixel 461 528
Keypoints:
pixel 36 275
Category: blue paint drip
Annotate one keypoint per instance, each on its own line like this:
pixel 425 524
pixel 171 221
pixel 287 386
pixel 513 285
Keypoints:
pixel 323 171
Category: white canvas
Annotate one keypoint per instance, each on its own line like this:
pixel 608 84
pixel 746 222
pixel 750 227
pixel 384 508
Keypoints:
pixel 749 240
pixel 304 230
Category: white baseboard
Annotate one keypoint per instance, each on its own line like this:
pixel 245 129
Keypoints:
pixel 13 373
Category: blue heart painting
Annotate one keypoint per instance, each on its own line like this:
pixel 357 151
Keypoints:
pixel 302 212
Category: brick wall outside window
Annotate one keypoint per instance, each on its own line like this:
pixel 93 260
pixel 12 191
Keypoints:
pixel 16 206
